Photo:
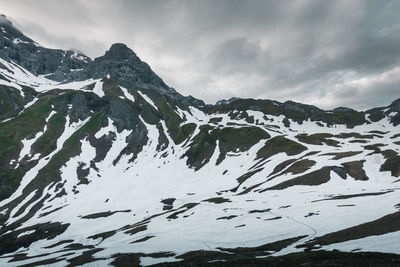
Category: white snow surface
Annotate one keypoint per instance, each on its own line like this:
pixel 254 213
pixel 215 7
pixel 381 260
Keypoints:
pixel 127 94
pixel 98 88
pixel 120 196
pixel 134 191
pixel 148 100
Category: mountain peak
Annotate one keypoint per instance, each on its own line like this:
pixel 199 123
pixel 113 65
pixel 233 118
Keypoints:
pixel 4 20
pixel 395 105
pixel 120 51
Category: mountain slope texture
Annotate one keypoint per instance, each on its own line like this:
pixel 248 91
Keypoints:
pixel 103 163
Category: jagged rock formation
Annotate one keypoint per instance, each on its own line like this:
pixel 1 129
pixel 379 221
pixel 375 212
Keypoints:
pixel 119 62
pixel 101 161
pixel 56 63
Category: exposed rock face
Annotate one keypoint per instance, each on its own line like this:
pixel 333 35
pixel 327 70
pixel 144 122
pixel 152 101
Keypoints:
pixel 302 108
pixel 161 177
pixel 343 109
pixel 395 106
pixel 123 65
pixel 226 101
pixel 58 64
pixel 120 62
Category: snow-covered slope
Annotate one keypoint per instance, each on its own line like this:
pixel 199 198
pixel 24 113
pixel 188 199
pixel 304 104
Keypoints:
pixel 104 172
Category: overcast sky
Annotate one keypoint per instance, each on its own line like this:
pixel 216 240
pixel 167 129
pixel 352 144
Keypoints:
pixel 326 53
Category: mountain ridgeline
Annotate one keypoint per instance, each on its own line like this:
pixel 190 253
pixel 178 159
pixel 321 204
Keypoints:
pixel 101 161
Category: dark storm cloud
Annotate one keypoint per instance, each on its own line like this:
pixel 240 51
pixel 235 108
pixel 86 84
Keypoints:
pixel 239 56
pixel 329 53
pixel 59 40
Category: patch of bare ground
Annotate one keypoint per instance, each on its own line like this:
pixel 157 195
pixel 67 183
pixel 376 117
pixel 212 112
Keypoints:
pixel 217 200
pixel 200 257
pixel 85 258
pixel 43 262
pixel 318 139
pixel 300 166
pixel 311 153
pixel 392 165
pixel 103 214
pixel 143 239
pixel 227 217
pixel 280 144
pixel 243 179
pixel 355 169
pixel 341 155
pixel 60 243
pixel 333 258
pixel 317 177
pixel 168 203
pixel 103 235
pixel 375 147
pixel 358 141
pixel 274 218
pixel 389 153
pixel 183 209
pixel 133 259
pixel 381 226
pixel 12 241
pixel 395 136
pixel 354 195
pixel 136 230
pixel 378 132
pixel 281 166
pixel 359 136
pixel 259 211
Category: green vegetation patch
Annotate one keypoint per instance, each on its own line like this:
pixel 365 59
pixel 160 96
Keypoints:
pixel 230 140
pixel 215 120
pixel 9 181
pixel 317 139
pixel 184 132
pixel 30 122
pixel 8 147
pixel 317 177
pixel 300 166
pixel 112 89
pixel 351 118
pixel 355 169
pixel 202 148
pixel 310 258
pixel 72 147
pixel 381 226
pixel 280 144
pixel 376 115
pixel 341 155
pixel 11 102
pixel 281 166
pixel 238 139
pixel 392 165
pixel 178 132
pixel 11 133
pixel 47 142
pixel 356 135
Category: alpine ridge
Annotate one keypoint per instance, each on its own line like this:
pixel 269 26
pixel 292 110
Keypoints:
pixel 103 163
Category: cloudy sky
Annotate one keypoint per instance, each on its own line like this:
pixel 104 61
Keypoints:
pixel 326 53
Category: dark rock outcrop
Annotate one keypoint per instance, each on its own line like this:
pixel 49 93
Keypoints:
pixel 59 65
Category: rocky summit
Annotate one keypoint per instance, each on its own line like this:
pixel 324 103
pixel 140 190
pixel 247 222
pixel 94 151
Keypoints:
pixel 103 163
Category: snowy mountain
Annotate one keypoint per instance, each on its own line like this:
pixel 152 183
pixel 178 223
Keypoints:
pixel 103 163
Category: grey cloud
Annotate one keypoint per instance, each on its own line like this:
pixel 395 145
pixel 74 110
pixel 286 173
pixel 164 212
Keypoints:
pixel 239 55
pixel 304 50
pixel 58 40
